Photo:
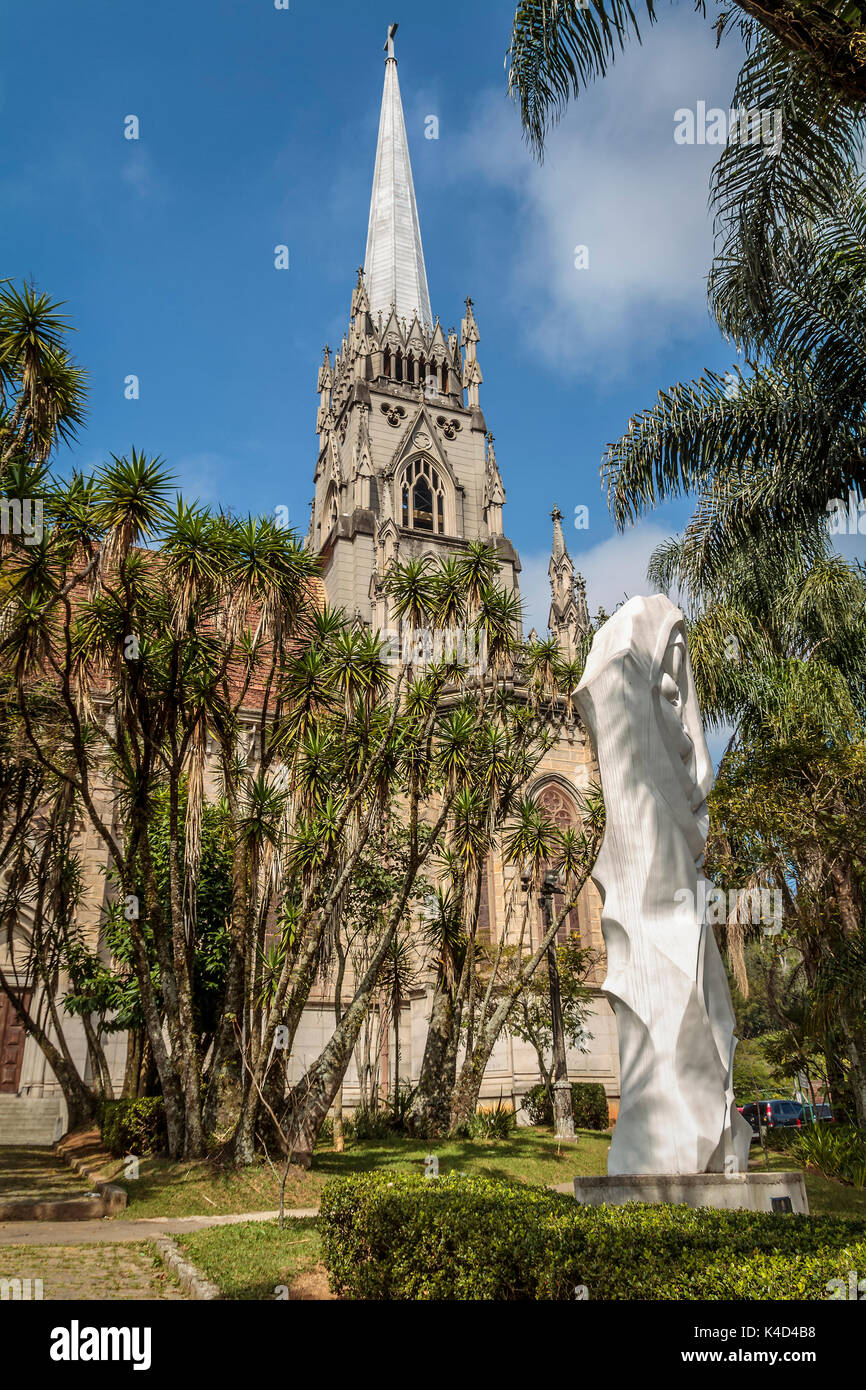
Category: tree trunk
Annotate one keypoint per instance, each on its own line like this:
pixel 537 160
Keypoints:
pixel 81 1104
pixel 339 1140
pixel 429 1115
pixel 98 1062
pixel 190 1062
pixel 856 1050
pixel 132 1070
pixel 313 1095
pixel 563 1113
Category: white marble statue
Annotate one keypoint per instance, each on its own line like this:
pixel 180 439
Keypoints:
pixel 665 977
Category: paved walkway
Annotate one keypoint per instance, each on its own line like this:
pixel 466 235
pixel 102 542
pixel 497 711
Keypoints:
pixel 98 1272
pixel 111 1231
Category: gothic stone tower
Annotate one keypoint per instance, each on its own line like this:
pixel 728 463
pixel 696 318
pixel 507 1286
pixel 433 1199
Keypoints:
pixel 406 465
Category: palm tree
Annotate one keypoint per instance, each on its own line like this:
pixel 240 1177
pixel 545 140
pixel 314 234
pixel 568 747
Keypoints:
pixel 777 442
pixel 558 47
pixel 777 449
pixel 778 646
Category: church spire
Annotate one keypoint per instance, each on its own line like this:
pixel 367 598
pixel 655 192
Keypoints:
pixel 569 618
pixel 394 262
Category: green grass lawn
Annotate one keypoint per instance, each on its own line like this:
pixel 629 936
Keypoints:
pixel 197 1189
pixel 258 1260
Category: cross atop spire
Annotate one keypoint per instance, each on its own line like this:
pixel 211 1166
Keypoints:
pixel 394 267
pixel 559 547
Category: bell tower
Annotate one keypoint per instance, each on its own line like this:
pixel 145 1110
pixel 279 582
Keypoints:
pixel 406 465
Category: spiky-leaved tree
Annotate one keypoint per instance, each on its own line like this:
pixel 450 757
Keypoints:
pixel 145 650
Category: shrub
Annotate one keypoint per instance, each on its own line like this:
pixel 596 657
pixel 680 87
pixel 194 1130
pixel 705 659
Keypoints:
pixel 388 1118
pixel 368 1123
pixel 538 1105
pixel 837 1151
pixel 394 1236
pixel 133 1126
pixel 398 1107
pixel 497 1122
pixel 780 1138
pixel 588 1103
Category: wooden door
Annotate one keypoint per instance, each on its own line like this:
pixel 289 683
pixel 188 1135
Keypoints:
pixel 12 1039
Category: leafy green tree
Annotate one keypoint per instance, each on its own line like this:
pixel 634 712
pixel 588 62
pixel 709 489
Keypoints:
pixel 778 647
pixel 531 1020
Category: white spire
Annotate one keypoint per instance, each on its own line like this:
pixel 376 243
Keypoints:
pixel 394 263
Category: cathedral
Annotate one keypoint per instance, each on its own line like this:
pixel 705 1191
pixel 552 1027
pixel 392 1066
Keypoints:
pixel 406 467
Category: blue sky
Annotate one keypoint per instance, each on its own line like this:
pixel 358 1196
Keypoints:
pixel 258 128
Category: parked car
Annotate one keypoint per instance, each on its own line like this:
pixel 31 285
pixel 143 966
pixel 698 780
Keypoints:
pixel 773 1114
pixel 812 1114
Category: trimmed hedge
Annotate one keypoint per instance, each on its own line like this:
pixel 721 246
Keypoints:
pixel 588 1104
pixel 134 1126
pixel 458 1237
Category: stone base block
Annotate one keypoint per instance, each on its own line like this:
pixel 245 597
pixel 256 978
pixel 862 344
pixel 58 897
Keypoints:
pixel 777 1192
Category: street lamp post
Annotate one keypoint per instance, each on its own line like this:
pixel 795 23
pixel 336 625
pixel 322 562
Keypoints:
pixel 563 1114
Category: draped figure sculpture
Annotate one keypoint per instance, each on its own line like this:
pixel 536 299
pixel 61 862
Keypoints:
pixel 665 977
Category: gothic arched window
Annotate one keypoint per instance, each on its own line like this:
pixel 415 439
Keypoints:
pixel 555 802
pixel 423 497
pixel 331 512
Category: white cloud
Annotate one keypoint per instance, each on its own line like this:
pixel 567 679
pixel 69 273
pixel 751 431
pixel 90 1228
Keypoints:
pixel 614 181
pixel 201 477
pixel 614 570
pixel 138 174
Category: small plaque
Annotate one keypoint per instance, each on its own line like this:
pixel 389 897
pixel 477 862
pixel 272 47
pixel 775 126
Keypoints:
pixel 781 1204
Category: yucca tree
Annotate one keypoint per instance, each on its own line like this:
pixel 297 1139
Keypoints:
pixel 444 938
pixel 42 390
pixel 412 591
pixel 147 604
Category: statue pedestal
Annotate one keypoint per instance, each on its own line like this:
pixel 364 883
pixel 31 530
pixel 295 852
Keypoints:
pixel 749 1191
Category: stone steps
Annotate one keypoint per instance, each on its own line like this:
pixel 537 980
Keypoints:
pixel 30 1120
